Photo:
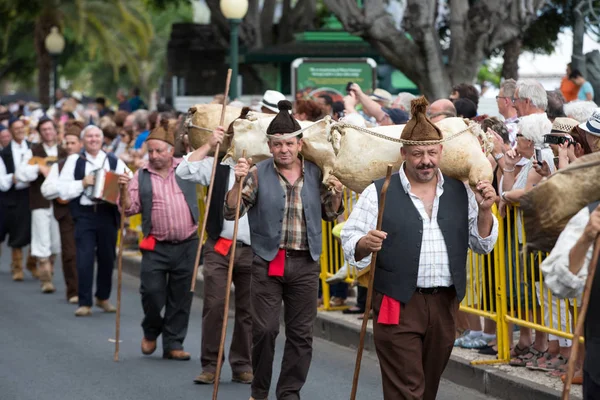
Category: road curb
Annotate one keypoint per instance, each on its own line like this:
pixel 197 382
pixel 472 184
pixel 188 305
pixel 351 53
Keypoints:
pixel 484 379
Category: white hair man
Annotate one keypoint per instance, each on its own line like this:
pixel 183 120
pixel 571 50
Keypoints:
pixel 506 109
pixel 96 222
pixel 530 97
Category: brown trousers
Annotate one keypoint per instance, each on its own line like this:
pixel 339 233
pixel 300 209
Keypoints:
pixel 215 281
pixel 297 289
pixel 68 254
pixel 413 354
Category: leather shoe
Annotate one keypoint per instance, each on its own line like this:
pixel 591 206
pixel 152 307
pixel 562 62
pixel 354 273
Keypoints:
pixel 105 305
pixel 205 378
pixel 148 346
pixel 176 355
pixel 244 377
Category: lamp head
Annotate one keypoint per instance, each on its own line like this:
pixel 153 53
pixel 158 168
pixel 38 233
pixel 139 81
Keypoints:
pixel 55 42
pixel 234 9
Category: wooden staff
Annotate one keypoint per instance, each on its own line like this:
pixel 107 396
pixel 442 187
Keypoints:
pixel 363 328
pixel 581 321
pixel 228 287
pixel 210 187
pixel 119 282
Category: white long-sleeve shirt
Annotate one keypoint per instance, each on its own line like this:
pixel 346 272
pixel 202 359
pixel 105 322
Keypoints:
pixel 29 173
pixel 69 188
pixel 19 152
pixel 557 276
pixel 49 188
pixel 200 172
pixel 434 265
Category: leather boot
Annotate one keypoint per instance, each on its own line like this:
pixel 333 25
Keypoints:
pixel 32 265
pixel 45 275
pixel 17 265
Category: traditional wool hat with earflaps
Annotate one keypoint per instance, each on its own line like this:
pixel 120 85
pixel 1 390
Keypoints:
pixel 420 128
pixel 163 132
pixel 284 122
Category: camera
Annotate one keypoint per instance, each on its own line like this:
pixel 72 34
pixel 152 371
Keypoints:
pixel 551 139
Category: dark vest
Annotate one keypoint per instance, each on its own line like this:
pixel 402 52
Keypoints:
pixel 145 183
pixel 214 223
pixel 77 210
pixel 398 260
pixel 266 216
pixel 12 197
pixel 36 200
pixel 60 210
pixel 592 325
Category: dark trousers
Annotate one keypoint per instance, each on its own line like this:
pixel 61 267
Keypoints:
pixel 16 221
pixel 96 237
pixel 298 290
pixel 216 267
pixel 361 297
pixel 166 277
pixel 413 354
pixel 591 389
pixel 68 254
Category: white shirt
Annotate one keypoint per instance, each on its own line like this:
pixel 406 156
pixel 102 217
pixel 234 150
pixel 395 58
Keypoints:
pixel 49 188
pixel 29 173
pixel 69 188
pixel 200 172
pixel 557 276
pixel 434 266
pixel 6 180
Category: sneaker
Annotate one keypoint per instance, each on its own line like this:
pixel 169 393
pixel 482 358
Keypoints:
pixel 462 338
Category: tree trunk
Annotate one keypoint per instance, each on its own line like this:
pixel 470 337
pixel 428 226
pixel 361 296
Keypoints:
pixel 44 61
pixel 512 50
pixel 578 58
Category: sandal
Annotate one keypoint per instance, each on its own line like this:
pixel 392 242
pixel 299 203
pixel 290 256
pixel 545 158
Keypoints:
pixel 531 356
pixel 553 364
pixel 558 372
pixel 518 351
pixel 536 364
pixel 489 351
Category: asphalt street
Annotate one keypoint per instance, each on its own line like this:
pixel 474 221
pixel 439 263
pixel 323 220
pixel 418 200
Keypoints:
pixel 49 354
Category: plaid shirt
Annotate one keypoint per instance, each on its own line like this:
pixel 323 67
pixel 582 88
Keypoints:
pixel 293 229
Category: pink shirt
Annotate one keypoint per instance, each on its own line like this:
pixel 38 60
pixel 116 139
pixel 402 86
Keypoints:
pixel 171 216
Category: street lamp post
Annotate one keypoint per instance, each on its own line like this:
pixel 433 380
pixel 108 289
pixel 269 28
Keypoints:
pixel 55 44
pixel 234 11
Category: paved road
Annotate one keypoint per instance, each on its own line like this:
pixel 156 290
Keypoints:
pixel 46 353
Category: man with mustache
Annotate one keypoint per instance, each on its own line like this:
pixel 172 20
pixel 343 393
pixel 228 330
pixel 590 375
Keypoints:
pixel 429 223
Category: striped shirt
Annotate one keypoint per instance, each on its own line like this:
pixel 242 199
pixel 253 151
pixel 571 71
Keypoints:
pixel 293 229
pixel 171 216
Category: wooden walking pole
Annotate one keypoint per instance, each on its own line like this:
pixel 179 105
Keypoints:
pixel 581 321
pixel 228 287
pixel 210 187
pixel 363 328
pixel 119 282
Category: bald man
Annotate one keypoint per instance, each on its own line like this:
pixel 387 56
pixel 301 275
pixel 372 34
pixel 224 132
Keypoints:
pixel 441 109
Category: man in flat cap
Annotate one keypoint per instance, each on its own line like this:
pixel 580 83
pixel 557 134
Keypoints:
pixel 169 207
pixel 429 223
pixel 285 199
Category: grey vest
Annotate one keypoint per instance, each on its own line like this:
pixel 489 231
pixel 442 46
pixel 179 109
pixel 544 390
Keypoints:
pixel 145 183
pixel 266 216
pixel 398 260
